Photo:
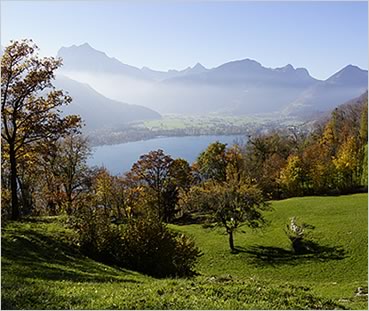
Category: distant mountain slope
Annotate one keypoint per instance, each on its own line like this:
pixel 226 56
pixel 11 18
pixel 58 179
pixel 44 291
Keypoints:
pixel 98 111
pixel 344 85
pixel 353 106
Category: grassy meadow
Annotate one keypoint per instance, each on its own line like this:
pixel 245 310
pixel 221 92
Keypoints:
pixel 43 269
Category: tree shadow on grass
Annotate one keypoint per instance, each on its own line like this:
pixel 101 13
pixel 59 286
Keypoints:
pixel 191 219
pixel 44 257
pixel 269 255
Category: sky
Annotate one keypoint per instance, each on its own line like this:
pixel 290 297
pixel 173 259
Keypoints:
pixel 320 36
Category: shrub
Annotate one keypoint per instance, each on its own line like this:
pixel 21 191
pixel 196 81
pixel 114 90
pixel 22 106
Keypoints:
pixel 97 237
pixel 298 235
pixel 150 247
pixel 144 244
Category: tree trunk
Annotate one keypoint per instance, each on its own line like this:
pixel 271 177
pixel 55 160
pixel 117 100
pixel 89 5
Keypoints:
pixel 231 243
pixel 51 206
pixel 13 184
pixel 26 197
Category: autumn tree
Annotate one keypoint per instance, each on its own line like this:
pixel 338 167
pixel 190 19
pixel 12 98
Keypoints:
pixel 293 176
pixel 74 151
pixel 152 171
pixel 265 155
pixel 364 124
pixel 111 193
pixel 335 156
pixel 346 164
pixel 318 168
pixel 30 106
pixel 123 197
pixel 363 153
pixel 181 174
pixel 235 168
pixel 230 204
pixel 212 162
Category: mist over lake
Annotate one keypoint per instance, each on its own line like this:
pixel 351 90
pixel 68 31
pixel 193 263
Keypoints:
pixel 119 158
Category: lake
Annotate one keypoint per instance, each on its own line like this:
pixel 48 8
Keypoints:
pixel 119 158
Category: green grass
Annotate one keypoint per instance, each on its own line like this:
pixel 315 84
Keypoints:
pixel 42 269
pixel 341 230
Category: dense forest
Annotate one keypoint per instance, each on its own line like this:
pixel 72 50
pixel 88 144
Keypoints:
pixel 44 172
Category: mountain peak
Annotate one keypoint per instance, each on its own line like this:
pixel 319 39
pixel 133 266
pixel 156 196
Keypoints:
pixel 351 66
pixel 85 58
pixel 198 66
pixel 86 46
pixel 81 49
pixel 287 68
pixel 348 75
pixel 240 66
pixel 249 61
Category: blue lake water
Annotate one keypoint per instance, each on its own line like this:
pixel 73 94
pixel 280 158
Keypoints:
pixel 119 158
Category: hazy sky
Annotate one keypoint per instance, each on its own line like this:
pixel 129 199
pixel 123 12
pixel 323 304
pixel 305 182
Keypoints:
pixel 320 36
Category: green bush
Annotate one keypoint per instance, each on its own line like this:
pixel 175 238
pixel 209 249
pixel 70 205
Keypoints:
pixel 151 248
pixel 97 237
pixel 144 244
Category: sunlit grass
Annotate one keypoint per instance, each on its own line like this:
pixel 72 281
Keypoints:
pixel 42 268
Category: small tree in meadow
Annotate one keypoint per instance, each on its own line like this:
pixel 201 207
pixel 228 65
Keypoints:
pixel 230 206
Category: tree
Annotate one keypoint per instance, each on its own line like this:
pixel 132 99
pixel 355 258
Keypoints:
pixel 346 164
pixel 29 106
pixel 235 163
pixel 72 168
pixel 121 199
pixel 292 177
pixel 363 153
pixel 319 168
pixel 230 205
pixel 212 162
pixel 104 190
pixel 152 170
pixel 265 155
pixel 364 124
pixel 180 173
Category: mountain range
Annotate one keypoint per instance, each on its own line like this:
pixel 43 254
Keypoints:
pixel 236 87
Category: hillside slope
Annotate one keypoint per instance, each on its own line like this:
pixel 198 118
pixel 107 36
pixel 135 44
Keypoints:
pixel 323 96
pixel 43 269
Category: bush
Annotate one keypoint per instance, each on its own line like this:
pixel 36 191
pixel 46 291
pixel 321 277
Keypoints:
pixel 97 237
pixel 144 244
pixel 150 247
pixel 298 236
